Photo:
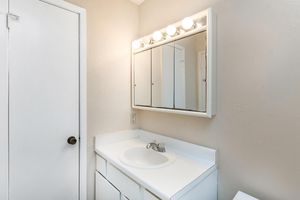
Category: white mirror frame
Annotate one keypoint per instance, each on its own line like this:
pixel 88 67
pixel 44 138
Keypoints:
pixel 210 28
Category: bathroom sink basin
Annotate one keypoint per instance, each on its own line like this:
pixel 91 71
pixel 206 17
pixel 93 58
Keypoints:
pixel 141 157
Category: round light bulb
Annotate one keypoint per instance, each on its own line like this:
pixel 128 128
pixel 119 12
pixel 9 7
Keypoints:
pixel 157 36
pixel 187 23
pixel 136 44
pixel 171 30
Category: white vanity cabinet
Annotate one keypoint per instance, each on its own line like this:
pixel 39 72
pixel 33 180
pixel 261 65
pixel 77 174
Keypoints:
pixel 191 173
pixel 112 184
pixel 149 196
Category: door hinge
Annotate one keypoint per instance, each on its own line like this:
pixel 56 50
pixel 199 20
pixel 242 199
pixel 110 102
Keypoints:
pixel 10 16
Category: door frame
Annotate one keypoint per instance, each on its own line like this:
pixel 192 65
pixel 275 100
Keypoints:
pixel 82 97
pixel 3 101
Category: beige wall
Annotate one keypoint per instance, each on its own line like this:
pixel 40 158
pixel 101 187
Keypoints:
pixel 112 25
pixel 257 129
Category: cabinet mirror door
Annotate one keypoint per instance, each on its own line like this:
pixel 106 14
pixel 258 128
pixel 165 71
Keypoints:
pixel 142 78
pixel 191 73
pixel 163 76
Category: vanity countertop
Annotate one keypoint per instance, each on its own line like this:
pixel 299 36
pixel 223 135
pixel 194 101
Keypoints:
pixel 193 163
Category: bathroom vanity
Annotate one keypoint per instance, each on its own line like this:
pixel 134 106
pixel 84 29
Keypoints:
pixel 126 169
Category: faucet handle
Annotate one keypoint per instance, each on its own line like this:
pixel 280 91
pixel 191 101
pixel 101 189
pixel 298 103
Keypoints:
pixel 150 145
pixel 161 147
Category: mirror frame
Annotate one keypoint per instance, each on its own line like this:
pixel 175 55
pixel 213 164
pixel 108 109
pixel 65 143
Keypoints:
pixel 210 29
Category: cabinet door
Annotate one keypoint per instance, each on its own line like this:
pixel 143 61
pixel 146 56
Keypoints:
pixel 126 185
pixel 191 73
pixel 142 78
pixel 124 198
pixel 163 76
pixel 150 196
pixel 104 190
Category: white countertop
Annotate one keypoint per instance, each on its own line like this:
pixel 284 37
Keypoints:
pixel 192 164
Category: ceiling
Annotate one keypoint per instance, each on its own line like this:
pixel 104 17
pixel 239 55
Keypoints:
pixel 138 2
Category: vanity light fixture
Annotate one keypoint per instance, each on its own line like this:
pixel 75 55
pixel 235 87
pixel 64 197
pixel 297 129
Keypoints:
pixel 157 36
pixel 200 24
pixel 136 44
pixel 187 23
pixel 171 30
pixel 187 26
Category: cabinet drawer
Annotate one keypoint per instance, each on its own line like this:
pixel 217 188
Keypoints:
pixel 149 196
pixel 101 165
pixel 104 190
pixel 127 186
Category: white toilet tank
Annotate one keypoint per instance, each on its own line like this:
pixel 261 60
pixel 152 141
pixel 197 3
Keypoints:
pixel 243 196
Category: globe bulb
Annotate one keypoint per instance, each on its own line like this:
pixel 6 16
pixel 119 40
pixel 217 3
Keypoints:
pixel 171 30
pixel 187 23
pixel 136 44
pixel 157 36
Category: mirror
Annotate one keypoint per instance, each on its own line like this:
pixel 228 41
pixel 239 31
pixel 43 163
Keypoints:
pixel 142 77
pixel 163 76
pixel 190 73
pixel 173 75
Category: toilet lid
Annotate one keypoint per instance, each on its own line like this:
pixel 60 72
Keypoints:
pixel 243 196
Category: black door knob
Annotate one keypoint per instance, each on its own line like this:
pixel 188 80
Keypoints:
pixel 72 140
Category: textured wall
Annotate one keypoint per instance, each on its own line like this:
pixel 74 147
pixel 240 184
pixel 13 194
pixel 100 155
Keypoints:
pixel 257 129
pixel 111 26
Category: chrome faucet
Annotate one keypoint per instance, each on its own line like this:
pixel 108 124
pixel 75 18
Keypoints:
pixel 160 147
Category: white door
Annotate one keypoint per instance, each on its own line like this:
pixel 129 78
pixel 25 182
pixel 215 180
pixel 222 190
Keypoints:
pixel 43 102
pixel 104 190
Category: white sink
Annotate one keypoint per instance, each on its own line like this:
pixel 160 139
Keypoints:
pixel 141 157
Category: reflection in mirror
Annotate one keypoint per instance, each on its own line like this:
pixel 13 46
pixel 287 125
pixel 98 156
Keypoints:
pixel 190 73
pixel 163 76
pixel 142 78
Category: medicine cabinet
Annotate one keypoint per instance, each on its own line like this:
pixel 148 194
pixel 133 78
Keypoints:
pixel 174 69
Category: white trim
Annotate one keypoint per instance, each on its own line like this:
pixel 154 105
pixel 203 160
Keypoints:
pixel 211 66
pixel 83 91
pixel 83 106
pixel 65 5
pixel 4 156
pixel 180 112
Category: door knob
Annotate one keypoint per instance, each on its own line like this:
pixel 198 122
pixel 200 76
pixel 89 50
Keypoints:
pixel 72 140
